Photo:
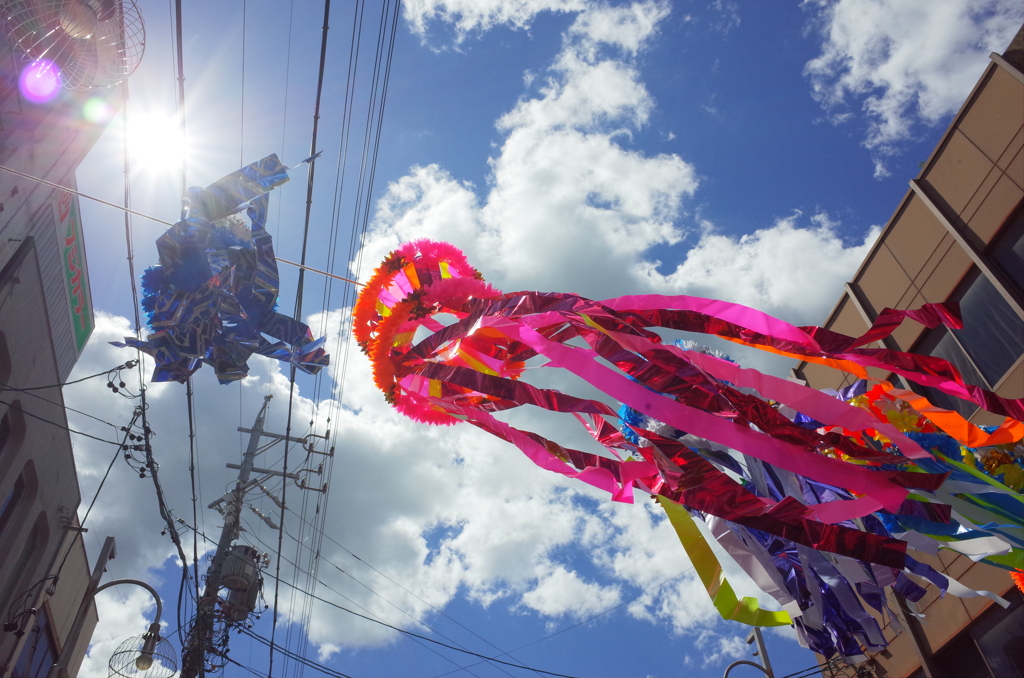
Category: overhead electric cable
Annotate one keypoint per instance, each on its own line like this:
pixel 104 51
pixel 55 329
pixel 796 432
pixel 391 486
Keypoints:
pixel 143 409
pixel 421 637
pixel 53 423
pixel 411 593
pixel 411 616
pixel 590 618
pixel 181 93
pixel 83 195
pixel 297 657
pixel 29 392
pixel 284 114
pixel 429 640
pixel 296 590
pixel 298 304
pixel 385 45
pixel 123 366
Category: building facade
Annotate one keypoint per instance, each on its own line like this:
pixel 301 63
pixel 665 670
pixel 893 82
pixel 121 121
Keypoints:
pixel 46 318
pixel 957 235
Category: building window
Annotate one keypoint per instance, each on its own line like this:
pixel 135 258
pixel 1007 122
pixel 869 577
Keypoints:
pixel 18 579
pixel 991 646
pixel 12 433
pixel 6 432
pixel 993 334
pixel 1007 248
pixel 40 650
pixel 11 503
pixel 990 343
pixel 1000 637
pixel 5 363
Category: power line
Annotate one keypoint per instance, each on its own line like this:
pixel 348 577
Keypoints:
pixel 57 404
pixel 434 608
pixel 422 637
pixel 314 578
pixel 83 195
pixel 593 617
pixel 298 300
pixel 154 219
pixel 128 365
pixel 811 670
pixel 292 655
pixel 53 423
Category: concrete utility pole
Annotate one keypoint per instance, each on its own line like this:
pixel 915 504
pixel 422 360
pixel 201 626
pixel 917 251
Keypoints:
pixel 194 660
pixel 200 637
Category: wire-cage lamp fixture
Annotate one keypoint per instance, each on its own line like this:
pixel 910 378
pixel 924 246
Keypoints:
pixel 145 656
pixel 91 44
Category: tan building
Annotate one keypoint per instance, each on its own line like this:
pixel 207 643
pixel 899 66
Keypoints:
pixel 958 234
pixel 46 318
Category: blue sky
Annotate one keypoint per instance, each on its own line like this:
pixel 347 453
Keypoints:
pixel 745 151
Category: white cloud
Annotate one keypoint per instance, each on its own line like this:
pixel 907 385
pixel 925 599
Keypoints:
pixel 568 206
pixel 472 16
pixel 720 648
pixel 563 592
pixel 786 270
pixel 902 62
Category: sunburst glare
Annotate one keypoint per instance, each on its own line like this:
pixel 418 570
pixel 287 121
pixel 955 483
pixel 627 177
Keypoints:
pixel 155 142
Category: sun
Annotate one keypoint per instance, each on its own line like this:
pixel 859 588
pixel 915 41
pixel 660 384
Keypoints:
pixel 155 142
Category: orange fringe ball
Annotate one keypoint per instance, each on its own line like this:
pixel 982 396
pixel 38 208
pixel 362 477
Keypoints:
pixel 1018 579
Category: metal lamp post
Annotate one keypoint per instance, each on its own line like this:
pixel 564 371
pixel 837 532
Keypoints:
pixel 150 639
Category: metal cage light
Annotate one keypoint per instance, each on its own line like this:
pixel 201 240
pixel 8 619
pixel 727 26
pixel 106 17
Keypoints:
pixel 145 656
pixel 94 43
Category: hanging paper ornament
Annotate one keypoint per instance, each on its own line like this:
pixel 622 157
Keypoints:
pixel 818 496
pixel 213 296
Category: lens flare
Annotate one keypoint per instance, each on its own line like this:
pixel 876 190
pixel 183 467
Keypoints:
pixel 40 81
pixel 97 111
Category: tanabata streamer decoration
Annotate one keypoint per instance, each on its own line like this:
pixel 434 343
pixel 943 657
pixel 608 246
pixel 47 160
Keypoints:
pixel 823 498
pixel 213 296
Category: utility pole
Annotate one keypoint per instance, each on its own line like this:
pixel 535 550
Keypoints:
pixel 229 562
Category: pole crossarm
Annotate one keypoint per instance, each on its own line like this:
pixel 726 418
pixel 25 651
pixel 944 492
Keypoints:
pixel 201 634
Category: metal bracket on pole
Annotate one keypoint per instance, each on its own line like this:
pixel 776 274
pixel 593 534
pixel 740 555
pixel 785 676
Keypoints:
pixel 277 436
pixel 265 471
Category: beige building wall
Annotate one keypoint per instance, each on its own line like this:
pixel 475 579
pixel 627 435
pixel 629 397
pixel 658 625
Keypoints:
pixel 45 320
pixel 38 482
pixel 953 226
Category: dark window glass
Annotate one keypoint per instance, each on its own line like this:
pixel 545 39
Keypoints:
pixel 1008 248
pixel 1000 635
pixel 960 658
pixel 940 343
pixel 993 334
pixel 21 566
pixel 39 652
pixel 10 505
pixel 6 432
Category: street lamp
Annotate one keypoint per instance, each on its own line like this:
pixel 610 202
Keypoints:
pixel 129 654
pixel 147 655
